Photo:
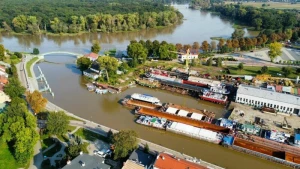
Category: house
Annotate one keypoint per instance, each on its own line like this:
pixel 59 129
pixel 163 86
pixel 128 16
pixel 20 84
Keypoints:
pixel 3 80
pixel 93 72
pixel 168 161
pixel 92 56
pixel 3 71
pixel 262 97
pixel 4 98
pixel 139 160
pixel 188 55
pixel 86 161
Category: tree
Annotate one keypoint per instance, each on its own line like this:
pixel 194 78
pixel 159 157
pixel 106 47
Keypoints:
pixel 124 142
pixel 205 46
pixel 18 54
pixel 221 43
pixel 209 62
pixel 146 148
pixel 275 50
pixel 83 63
pixel 235 44
pixel 257 23
pixel 196 45
pixel 213 45
pixel 57 123
pixel 286 71
pixel 36 51
pixel 178 46
pixel 36 101
pixel 186 47
pixel 238 33
pixel 264 69
pixel 14 88
pixel 219 62
pixel 295 36
pixel 2 52
pixel 110 64
pixel 241 66
pixel 163 52
pixel 96 47
pixel 18 128
pixel 137 52
pixel 298 70
pixel 289 33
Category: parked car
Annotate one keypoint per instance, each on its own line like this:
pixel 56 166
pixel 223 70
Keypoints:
pixel 103 152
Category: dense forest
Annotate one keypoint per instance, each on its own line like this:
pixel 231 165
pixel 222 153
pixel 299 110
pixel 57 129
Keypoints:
pixel 73 16
pixel 260 18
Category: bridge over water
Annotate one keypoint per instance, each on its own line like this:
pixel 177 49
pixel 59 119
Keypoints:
pixel 77 55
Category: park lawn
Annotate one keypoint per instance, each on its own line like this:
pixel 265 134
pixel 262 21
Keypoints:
pixel 253 70
pixel 71 128
pixel 28 65
pixel 7 160
pixel 89 135
pixel 53 150
pixel 63 138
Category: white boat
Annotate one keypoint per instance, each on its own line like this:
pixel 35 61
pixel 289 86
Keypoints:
pixel 146 98
pixel 101 91
pixel 219 89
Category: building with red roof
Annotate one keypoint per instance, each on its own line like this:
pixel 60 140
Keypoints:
pixel 92 56
pixel 168 161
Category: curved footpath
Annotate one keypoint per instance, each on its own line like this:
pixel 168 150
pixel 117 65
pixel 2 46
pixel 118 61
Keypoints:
pixel 31 85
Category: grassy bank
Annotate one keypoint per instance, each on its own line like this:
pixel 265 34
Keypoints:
pixel 28 65
pixel 89 135
pixel 253 70
pixel 271 5
pixel 7 160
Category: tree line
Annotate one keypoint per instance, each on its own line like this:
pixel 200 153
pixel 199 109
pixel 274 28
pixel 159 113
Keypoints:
pixel 76 16
pixel 259 18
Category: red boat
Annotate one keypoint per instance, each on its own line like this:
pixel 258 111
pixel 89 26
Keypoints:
pixel 214 97
pixel 194 83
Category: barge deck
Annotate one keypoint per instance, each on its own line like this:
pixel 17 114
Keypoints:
pixel 181 119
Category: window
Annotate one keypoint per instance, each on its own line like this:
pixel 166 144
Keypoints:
pixel 255 102
pixel 243 99
pixel 280 107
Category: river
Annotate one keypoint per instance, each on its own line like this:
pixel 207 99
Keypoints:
pixel 70 92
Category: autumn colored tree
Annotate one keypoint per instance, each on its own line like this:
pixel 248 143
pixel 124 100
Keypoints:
pixel 275 50
pixel 274 37
pixel 229 44
pixel 264 38
pixel 205 46
pixel 242 43
pixel 196 45
pixel 259 41
pixel 186 47
pixel 36 101
pixel 235 44
pixel 213 45
pixel 248 43
pixel 221 43
pixel 254 41
pixel 178 46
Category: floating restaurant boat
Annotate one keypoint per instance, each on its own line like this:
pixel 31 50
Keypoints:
pixel 213 97
pixel 146 98
pixel 195 132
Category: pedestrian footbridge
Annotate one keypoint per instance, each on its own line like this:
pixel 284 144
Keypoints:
pixel 77 55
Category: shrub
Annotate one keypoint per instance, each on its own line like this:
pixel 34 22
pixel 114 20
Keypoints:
pixel 13 57
pixel 18 54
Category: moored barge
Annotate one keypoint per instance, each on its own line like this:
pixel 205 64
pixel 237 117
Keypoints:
pixel 213 97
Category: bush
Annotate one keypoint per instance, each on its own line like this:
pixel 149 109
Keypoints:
pixel 18 54
pixel 13 57
pixel 36 51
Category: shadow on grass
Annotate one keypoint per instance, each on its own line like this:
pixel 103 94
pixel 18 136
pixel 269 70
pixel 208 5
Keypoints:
pixel 53 150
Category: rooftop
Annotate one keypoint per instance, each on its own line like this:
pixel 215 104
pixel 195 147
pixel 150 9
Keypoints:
pixel 142 158
pixel 92 55
pixel 132 165
pixel 167 161
pixel 268 94
pixel 90 162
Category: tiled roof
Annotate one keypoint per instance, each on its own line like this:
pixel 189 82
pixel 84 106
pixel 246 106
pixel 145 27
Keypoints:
pixel 3 80
pixel 167 161
pixel 92 55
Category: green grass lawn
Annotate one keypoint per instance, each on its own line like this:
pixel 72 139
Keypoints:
pixel 63 138
pixel 71 128
pixel 89 135
pixel 53 150
pixel 253 70
pixel 7 160
pixel 28 65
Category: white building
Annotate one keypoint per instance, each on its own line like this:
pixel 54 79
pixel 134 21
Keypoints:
pixel 261 97
pixel 188 55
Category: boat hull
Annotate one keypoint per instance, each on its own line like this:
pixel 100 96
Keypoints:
pixel 213 100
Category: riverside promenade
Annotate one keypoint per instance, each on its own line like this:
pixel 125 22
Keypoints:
pixel 31 84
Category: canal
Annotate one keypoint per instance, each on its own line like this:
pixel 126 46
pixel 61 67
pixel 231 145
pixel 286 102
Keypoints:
pixel 71 94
